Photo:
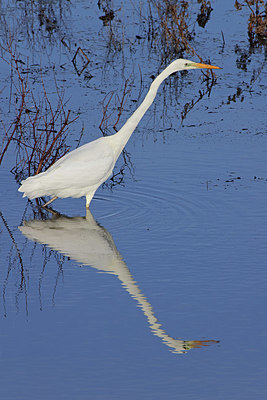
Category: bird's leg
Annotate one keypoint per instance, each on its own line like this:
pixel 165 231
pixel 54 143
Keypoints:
pixel 88 199
pixel 50 210
pixel 50 201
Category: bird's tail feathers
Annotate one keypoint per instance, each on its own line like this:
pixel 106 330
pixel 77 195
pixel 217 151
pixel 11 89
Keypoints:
pixel 34 187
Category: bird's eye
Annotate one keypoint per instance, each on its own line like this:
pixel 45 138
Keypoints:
pixel 186 64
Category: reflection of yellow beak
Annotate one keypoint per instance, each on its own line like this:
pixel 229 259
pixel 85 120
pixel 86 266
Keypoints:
pixel 207 66
pixel 196 344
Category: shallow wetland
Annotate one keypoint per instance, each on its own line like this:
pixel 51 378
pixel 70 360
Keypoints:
pixel 159 291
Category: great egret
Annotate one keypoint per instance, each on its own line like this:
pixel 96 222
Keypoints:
pixel 80 172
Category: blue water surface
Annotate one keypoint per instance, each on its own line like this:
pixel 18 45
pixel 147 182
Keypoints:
pixel 159 291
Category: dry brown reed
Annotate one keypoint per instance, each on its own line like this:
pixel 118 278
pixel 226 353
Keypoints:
pixel 257 22
pixel 112 109
pixel 176 30
pixel 118 107
pixel 40 128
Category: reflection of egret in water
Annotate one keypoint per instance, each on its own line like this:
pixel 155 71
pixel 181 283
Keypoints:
pixel 85 241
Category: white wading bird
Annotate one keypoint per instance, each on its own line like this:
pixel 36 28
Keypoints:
pixel 80 172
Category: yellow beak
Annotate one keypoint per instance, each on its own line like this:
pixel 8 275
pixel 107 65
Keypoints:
pixel 207 66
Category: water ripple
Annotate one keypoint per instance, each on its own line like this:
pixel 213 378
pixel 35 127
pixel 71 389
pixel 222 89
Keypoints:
pixel 143 204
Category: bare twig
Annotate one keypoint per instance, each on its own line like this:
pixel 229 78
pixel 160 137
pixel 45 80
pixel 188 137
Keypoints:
pixel 40 128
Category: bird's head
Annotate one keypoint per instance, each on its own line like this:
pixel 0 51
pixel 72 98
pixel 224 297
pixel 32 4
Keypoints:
pixel 181 64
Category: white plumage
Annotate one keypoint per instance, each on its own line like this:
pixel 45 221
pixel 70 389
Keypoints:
pixel 80 172
pixel 71 175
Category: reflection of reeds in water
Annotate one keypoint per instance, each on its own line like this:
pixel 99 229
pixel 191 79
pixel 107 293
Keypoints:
pixel 85 241
pixel 41 125
pixel 171 26
pixel 174 30
pixel 257 22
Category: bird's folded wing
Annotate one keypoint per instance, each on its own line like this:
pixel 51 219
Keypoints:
pixel 88 165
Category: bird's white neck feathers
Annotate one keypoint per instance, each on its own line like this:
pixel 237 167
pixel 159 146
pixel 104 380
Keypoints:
pixel 120 138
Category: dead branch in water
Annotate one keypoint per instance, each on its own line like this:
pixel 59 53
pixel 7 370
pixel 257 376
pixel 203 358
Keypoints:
pixel 84 58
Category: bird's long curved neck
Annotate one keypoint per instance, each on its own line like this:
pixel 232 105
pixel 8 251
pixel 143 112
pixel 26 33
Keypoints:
pixel 123 135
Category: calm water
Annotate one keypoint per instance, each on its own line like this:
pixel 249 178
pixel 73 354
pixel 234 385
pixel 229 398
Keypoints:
pixel 161 291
